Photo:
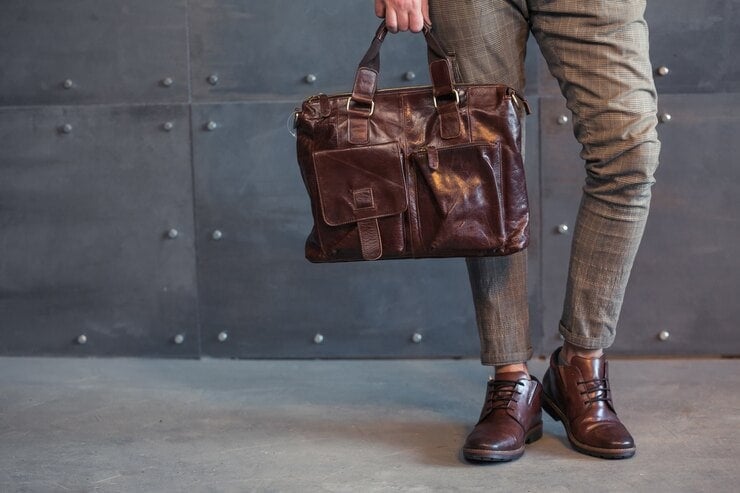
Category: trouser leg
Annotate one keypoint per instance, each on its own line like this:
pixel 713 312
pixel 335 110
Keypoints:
pixel 489 40
pixel 598 51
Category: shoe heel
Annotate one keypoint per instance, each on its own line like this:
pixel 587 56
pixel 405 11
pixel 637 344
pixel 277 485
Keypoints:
pixel 534 434
pixel 549 410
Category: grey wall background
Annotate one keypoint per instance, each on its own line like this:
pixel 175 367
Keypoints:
pixel 150 203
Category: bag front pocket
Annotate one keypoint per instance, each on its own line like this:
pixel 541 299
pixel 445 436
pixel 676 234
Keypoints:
pixel 460 196
pixel 362 195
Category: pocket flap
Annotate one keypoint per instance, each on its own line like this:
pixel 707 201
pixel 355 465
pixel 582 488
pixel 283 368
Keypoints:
pixel 360 183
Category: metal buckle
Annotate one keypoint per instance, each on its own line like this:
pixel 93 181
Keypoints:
pixel 372 106
pixel 457 98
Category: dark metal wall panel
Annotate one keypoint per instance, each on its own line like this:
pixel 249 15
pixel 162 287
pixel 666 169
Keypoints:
pixel 534 251
pixel 532 69
pixel 685 279
pixel 84 214
pixel 107 51
pixel 315 47
pixel 264 49
pixel 545 84
pixel 697 41
pixel 562 174
pixel 255 283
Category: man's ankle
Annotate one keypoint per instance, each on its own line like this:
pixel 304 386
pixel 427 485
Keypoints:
pixel 569 350
pixel 513 367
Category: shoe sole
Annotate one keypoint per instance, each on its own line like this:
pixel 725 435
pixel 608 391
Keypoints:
pixel 551 408
pixel 483 455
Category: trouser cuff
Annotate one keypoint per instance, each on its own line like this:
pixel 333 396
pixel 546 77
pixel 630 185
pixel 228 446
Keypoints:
pixel 585 342
pixel 492 359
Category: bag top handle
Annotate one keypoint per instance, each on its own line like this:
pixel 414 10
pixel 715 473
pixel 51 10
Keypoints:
pixel 366 78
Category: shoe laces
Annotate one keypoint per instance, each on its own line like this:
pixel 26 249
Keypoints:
pixel 504 391
pixel 599 387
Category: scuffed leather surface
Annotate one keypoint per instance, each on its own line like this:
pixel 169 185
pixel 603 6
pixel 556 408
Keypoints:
pixel 473 204
pixel 450 122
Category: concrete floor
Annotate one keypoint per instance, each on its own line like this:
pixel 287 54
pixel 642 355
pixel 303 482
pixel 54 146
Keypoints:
pixel 144 425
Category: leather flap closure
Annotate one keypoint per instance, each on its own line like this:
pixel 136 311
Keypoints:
pixel 360 183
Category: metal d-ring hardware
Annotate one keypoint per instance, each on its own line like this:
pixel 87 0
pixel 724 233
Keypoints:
pixel 292 123
pixel 372 106
pixel 457 98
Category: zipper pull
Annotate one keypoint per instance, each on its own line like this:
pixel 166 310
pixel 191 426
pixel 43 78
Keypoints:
pixel 519 99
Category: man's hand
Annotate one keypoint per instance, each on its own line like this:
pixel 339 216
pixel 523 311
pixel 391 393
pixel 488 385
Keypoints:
pixel 403 15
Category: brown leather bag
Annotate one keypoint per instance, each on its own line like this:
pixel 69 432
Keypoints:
pixel 415 172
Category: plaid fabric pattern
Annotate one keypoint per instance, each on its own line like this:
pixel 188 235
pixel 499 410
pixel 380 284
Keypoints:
pixel 598 52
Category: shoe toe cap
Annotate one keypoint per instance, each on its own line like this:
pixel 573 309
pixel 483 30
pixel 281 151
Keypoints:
pixel 498 441
pixel 609 435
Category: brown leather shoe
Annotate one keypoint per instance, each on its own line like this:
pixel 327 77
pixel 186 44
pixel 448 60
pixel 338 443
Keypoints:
pixel 511 417
pixel 578 394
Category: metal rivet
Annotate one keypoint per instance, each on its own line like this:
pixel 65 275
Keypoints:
pixel 211 125
pixel 167 81
pixel 318 339
pixel 168 126
pixel 212 79
pixel 81 339
pixel 664 335
pixel 663 70
pixel 66 128
pixel 172 234
pixel 562 119
pixel 222 336
pixel 179 339
pixel 68 84
pixel 409 75
pixel 664 117
pixel 416 338
pixel 310 78
pixel 563 229
pixel 217 234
